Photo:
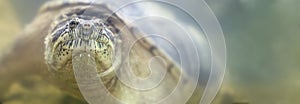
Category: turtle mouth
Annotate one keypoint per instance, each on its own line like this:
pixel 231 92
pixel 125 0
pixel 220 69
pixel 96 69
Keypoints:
pixel 82 45
pixel 63 52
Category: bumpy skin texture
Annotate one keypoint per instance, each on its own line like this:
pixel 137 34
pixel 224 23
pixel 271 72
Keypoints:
pixel 27 57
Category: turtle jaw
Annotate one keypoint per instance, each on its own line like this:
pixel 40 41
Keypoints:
pixel 59 56
pixel 59 53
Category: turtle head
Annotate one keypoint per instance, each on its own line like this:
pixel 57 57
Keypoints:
pixel 89 35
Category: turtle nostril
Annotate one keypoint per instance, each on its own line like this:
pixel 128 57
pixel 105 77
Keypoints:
pixel 86 30
pixel 87 25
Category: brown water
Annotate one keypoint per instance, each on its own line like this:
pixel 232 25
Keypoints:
pixel 31 90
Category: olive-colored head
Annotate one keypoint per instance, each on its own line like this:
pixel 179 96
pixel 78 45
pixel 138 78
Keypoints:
pixel 83 34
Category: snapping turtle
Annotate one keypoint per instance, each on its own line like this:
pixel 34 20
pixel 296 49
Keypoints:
pixel 68 39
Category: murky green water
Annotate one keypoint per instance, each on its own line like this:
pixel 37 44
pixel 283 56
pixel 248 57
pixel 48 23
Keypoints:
pixel 263 49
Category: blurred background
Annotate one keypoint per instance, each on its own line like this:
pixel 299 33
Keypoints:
pixel 262 39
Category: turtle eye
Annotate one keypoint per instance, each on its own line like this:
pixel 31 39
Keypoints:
pixel 73 24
